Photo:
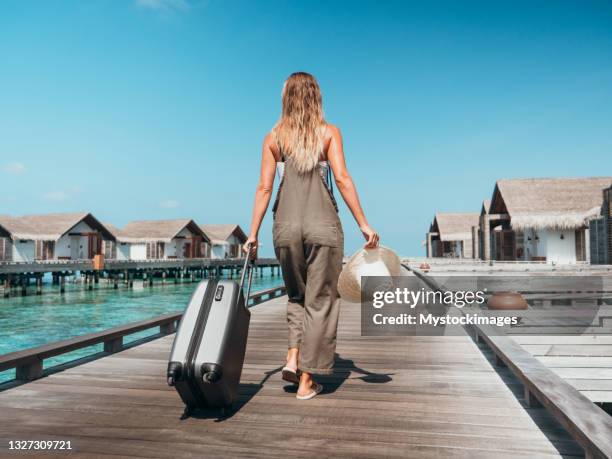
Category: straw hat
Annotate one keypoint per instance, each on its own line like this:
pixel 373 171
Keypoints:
pixel 380 261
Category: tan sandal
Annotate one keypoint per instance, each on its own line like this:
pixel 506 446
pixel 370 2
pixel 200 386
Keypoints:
pixel 291 375
pixel 316 390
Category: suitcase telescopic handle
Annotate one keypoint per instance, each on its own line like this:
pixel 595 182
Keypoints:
pixel 248 265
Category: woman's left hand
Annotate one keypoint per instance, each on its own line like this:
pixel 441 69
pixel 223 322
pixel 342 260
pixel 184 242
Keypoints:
pixel 371 237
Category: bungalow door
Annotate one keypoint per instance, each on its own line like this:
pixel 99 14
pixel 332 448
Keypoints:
pixel 75 245
pixel 94 244
pixel 48 249
pixel 580 238
pixel 505 245
pixel 187 250
pixel 196 247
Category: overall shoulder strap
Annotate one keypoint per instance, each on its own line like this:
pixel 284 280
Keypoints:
pixel 278 145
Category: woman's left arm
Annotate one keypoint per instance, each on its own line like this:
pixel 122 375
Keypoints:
pixel 263 192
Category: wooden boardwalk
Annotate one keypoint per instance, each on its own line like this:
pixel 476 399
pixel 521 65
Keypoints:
pixel 389 397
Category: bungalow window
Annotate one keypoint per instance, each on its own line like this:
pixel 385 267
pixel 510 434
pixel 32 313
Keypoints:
pixel 44 250
pixel 5 249
pixel 110 250
pixel 155 250
pixel 234 250
pixel 206 249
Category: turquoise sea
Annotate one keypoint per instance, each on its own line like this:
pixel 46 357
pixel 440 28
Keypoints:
pixel 31 321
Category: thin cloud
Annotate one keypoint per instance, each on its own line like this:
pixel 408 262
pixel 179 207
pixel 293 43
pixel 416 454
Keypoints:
pixel 14 168
pixel 55 196
pixel 169 204
pixel 176 6
pixel 61 195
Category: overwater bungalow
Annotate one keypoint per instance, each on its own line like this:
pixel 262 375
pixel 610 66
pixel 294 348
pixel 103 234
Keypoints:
pixel 61 236
pixel 226 240
pixel 450 235
pixel 160 239
pixel 5 240
pixel 543 219
pixel 600 232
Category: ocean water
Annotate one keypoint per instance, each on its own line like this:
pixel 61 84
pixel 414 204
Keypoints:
pixel 32 321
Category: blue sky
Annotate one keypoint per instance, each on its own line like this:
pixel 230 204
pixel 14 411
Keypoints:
pixel 157 108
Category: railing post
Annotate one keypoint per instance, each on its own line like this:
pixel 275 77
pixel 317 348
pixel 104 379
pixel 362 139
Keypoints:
pixel 531 400
pixel 7 288
pixel 167 328
pixel 39 284
pixel 113 345
pixel 33 369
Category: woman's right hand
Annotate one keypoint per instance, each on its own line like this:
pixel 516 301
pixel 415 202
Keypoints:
pixel 250 247
pixel 370 236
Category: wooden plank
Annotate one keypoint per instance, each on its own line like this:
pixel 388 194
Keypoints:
pixel 598 396
pixel 575 350
pixel 564 361
pixel 563 339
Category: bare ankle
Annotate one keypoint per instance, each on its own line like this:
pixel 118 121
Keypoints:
pixel 292 357
pixel 306 383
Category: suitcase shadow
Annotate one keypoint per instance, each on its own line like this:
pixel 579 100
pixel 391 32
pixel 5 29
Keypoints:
pixel 246 392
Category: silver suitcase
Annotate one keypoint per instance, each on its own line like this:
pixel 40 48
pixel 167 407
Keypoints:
pixel 208 351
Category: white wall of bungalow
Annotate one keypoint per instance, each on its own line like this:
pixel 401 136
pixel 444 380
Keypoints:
pixel 227 249
pixel 171 250
pixel 556 246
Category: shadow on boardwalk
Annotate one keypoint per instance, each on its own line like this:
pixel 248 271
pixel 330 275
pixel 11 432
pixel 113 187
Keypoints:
pixel 331 383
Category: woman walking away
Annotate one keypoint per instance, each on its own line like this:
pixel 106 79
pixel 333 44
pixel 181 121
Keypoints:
pixel 307 234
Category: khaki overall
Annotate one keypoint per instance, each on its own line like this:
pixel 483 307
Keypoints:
pixel 309 244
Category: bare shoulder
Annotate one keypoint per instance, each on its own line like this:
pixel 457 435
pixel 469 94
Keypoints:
pixel 269 144
pixel 333 131
pixel 269 139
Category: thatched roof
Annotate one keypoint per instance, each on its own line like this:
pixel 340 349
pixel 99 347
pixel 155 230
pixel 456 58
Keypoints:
pixel 157 230
pixel 558 203
pixel 219 234
pixel 113 229
pixel 50 227
pixel 454 226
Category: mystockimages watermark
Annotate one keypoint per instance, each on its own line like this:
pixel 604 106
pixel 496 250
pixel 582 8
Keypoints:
pixel 398 306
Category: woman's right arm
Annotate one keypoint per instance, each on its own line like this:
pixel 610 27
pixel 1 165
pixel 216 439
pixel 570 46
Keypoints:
pixel 344 182
pixel 262 193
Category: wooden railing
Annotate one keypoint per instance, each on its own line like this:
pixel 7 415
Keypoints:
pixel 588 424
pixel 41 266
pixel 28 363
pixel 266 295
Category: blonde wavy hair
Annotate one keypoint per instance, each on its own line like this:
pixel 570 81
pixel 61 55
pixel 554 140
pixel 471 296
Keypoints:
pixel 301 127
